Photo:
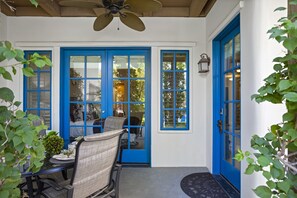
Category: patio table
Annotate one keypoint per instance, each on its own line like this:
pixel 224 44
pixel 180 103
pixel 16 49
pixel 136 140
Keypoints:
pixel 50 166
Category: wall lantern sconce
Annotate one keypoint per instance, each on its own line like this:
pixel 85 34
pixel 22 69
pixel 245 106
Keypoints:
pixel 203 64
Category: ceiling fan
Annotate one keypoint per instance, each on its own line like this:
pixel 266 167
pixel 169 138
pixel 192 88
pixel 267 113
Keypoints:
pixel 127 10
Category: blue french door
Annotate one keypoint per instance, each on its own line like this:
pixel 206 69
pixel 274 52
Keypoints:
pixel 230 106
pixel 96 83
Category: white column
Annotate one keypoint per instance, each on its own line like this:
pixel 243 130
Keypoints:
pixel 257 54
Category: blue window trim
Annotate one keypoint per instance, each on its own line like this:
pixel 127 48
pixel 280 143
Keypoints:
pixel 235 23
pixel 174 71
pixel 38 91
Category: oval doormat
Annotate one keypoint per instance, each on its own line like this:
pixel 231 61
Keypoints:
pixel 201 185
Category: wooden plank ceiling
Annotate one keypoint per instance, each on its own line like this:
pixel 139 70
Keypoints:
pixel 170 8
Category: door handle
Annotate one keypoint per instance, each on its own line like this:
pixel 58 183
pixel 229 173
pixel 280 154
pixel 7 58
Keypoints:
pixel 220 125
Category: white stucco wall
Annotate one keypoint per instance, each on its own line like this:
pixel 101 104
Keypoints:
pixel 257 53
pixel 3 35
pixel 168 148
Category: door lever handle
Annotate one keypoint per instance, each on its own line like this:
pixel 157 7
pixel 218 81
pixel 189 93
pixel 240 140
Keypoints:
pixel 220 125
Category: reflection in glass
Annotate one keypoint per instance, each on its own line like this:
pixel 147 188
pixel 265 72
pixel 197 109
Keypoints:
pixel 181 119
pixel 167 61
pixel 32 82
pixel 33 112
pixel 237 84
pixel 93 90
pixel 237 118
pixel 228 55
pixel 76 131
pixel 228 86
pixel 94 66
pixel 77 113
pixel 120 90
pixel 228 121
pixel 181 61
pixel 168 99
pixel 181 99
pixel 137 90
pixel 45 99
pixel 228 148
pixel 168 120
pixel 120 109
pixel 76 90
pixel 237 50
pixel 120 66
pixel 168 80
pixel 46 116
pixel 237 147
pixel 93 112
pixel 180 80
pixel 137 110
pixel 77 65
pixel 45 81
pixel 32 99
pixel 137 66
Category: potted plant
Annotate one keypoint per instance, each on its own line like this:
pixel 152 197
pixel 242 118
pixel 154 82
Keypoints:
pixel 53 143
pixel 276 152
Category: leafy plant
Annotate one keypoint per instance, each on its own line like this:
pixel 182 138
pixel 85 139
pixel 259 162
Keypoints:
pixel 276 152
pixel 19 138
pixel 53 143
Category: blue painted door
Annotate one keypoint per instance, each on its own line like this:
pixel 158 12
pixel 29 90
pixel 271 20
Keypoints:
pixel 96 83
pixel 230 106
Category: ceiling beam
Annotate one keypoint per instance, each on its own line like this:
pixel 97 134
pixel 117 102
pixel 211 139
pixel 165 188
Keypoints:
pixel 196 7
pixel 30 11
pixel 207 8
pixel 50 7
pixel 172 12
pixel 77 12
pixel 6 10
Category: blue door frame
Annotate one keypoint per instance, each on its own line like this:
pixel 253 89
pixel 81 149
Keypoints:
pixel 217 87
pixel 129 156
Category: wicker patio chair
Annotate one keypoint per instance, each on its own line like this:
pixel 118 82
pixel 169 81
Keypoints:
pixel 95 162
pixel 113 123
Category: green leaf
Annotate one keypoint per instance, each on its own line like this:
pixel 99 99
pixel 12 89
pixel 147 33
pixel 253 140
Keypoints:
pixel 9 157
pixel 284 186
pixel 19 55
pixel 14 71
pixel 17 103
pixel 28 71
pixel 28 139
pixel 269 136
pixel 288 116
pixel 39 63
pixel 9 54
pixel 250 169
pixel 275 173
pixel 292 133
pixel 284 84
pixel 6 75
pixel 250 160
pixel 271 184
pixel 8 44
pixel 291 96
pixel 20 114
pixel 6 94
pixel 4 193
pixel 16 140
pixel 263 192
pixel 2 70
pixel 266 174
pixel 280 9
pixel 34 2
pixel 277 67
pixel 263 161
pixel 290 44
pixel 277 164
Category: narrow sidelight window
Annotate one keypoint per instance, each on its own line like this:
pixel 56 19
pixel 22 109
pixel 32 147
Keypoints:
pixel 37 90
pixel 174 90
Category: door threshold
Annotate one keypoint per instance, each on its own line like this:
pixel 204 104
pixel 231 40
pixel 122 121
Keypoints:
pixel 227 186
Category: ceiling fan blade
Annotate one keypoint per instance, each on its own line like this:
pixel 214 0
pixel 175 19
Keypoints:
pixel 99 11
pixel 132 21
pixel 80 3
pixel 143 5
pixel 102 21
